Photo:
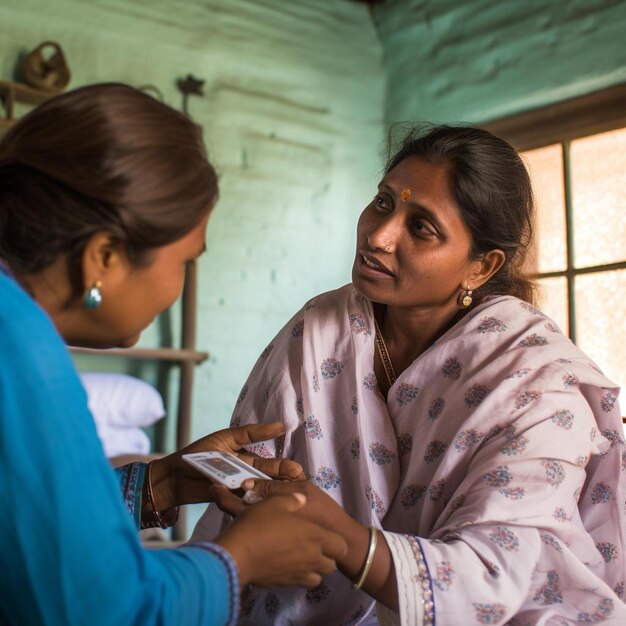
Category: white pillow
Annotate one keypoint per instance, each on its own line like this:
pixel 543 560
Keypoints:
pixel 117 440
pixel 121 400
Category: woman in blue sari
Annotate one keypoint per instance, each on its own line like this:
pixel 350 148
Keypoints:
pixel 105 195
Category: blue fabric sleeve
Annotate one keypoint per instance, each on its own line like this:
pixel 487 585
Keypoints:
pixel 131 478
pixel 69 552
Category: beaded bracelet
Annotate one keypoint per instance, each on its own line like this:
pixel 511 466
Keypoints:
pixel 369 559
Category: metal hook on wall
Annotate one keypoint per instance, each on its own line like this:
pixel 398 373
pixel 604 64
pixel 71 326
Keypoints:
pixel 189 86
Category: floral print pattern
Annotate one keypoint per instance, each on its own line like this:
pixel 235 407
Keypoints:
pixel 475 395
pixel 504 538
pixel 608 401
pixel 316 382
pixel 355 447
pixel 260 449
pixel 242 394
pixel 525 398
pixel 552 327
pixel 331 368
pixel 515 446
pixel 434 450
pixel 405 443
pixel 601 493
pixel 607 550
pixel 499 477
pixel 326 478
pixel 436 407
pixel 555 471
pixel 452 369
pixel 466 439
pixel 380 454
pixel 601 614
pixel 267 351
pixel 444 576
pixel 489 613
pixel 491 325
pixel 550 592
pixel 570 380
pixel 532 309
pixel 317 594
pixel 359 325
pixel 411 494
pixel 435 490
pixel 267 391
pixel 312 428
pixel 519 373
pixel 533 340
pixel 406 393
pixel 369 382
pixel 613 436
pixel 549 540
pixel 564 419
pixel 375 501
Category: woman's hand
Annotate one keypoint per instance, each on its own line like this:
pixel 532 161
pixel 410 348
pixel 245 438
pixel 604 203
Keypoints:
pixel 321 509
pixel 176 482
pixel 274 545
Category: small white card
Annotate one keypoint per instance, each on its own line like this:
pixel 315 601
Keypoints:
pixel 223 468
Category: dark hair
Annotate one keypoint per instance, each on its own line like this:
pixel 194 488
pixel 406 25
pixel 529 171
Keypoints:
pixel 104 157
pixel 492 188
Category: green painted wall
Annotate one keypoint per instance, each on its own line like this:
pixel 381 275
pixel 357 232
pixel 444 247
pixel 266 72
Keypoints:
pixel 293 121
pixel 476 60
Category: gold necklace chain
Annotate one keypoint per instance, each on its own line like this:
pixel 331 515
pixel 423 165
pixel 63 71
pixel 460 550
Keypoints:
pixel 384 355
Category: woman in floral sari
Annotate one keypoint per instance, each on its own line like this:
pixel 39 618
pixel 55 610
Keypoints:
pixel 476 453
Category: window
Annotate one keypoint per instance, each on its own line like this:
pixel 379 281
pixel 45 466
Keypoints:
pixel 576 155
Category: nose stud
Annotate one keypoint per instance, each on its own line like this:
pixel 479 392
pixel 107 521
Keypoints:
pixel 388 248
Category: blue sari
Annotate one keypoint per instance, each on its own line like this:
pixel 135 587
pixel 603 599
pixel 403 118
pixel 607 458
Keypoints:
pixel 69 552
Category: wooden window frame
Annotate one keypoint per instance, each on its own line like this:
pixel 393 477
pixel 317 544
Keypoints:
pixel 597 112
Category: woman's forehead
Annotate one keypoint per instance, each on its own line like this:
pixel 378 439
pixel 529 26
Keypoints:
pixel 415 175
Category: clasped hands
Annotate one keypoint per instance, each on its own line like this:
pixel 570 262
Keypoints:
pixel 279 541
pixel 296 534
pixel 349 537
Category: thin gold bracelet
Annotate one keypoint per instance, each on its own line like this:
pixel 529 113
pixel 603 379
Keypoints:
pixel 369 559
pixel 157 515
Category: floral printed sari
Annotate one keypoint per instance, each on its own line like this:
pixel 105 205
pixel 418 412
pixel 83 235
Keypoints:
pixel 495 466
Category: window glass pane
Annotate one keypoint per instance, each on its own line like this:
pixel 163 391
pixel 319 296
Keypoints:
pixel 545 166
pixel 601 323
pixel 553 300
pixel 598 172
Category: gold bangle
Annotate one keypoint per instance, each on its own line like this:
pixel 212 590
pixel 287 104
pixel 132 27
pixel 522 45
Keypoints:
pixel 369 559
pixel 157 515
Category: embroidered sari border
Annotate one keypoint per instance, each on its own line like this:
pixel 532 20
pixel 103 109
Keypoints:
pixel 425 581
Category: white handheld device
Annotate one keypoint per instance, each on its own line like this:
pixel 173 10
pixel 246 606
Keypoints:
pixel 223 468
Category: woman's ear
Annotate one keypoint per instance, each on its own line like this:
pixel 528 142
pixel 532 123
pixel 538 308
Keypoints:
pixel 488 264
pixel 101 257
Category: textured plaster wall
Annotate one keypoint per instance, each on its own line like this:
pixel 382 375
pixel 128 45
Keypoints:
pixel 476 60
pixel 293 121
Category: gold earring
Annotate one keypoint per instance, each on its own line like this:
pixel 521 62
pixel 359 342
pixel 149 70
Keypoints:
pixel 465 298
